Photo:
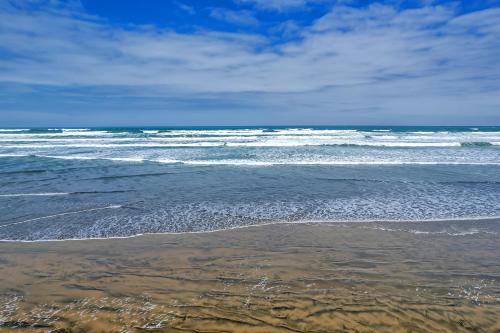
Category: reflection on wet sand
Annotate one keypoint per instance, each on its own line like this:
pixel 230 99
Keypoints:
pixel 341 277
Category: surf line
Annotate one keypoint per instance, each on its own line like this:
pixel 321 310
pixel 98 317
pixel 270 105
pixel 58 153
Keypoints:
pixel 61 214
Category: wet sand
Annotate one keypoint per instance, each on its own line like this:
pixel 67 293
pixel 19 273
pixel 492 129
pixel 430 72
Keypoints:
pixel 341 277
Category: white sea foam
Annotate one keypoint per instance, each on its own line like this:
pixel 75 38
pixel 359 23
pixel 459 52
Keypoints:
pixel 290 143
pixel 126 159
pixel 270 163
pixel 258 132
pixel 276 222
pixel 69 157
pixel 34 194
pixel 265 162
pixel 276 143
pixel 116 145
pixel 59 140
pixel 167 161
pixel 82 157
pixel 279 146
pixel 60 134
pixel 14 129
pixel 14 155
pixel 242 138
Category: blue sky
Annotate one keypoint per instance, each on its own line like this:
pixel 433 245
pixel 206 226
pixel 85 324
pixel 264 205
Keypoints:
pixel 249 62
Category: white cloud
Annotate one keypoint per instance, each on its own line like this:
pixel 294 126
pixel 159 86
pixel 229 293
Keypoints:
pixel 277 4
pixel 242 17
pixel 374 58
pixel 186 8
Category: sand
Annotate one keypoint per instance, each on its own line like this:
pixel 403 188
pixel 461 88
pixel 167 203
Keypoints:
pixel 318 277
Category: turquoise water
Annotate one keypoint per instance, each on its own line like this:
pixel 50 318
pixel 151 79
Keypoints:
pixel 108 182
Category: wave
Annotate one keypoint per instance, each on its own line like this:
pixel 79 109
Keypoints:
pixel 259 132
pixel 57 134
pixel 237 142
pixel 74 129
pixel 269 144
pixel 53 140
pixel 14 129
pixel 477 144
pixel 34 194
pixel 271 163
pixel 50 194
pixel 396 144
pixel 250 131
pixel 117 145
pixel 79 157
pixel 242 162
pixel 258 225
pixel 141 175
pixel 61 214
pixel 126 159
pixel 368 139
pixel 263 137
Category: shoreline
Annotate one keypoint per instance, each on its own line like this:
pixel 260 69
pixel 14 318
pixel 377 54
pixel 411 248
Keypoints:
pixel 305 222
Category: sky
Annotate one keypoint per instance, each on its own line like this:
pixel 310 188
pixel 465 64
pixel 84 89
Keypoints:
pixel 249 62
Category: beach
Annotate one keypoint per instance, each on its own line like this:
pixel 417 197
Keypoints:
pixel 250 229
pixel 441 276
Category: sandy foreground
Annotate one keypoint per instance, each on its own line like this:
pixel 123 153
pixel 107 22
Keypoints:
pixel 338 277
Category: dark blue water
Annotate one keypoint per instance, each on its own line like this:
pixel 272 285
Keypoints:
pixel 84 183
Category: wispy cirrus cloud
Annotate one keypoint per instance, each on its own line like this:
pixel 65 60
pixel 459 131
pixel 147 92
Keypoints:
pixel 369 63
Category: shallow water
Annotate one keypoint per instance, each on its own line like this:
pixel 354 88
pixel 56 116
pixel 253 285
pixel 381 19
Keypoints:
pixel 108 182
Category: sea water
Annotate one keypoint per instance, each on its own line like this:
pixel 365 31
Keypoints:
pixel 66 183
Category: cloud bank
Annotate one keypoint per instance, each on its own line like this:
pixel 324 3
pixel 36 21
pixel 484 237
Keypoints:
pixel 372 64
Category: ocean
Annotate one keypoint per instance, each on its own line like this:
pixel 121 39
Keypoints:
pixel 77 183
